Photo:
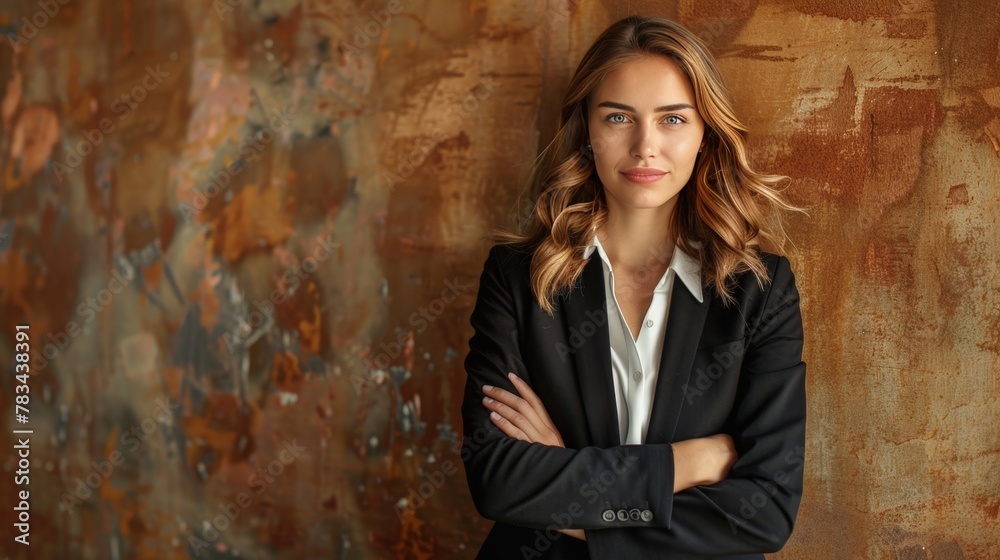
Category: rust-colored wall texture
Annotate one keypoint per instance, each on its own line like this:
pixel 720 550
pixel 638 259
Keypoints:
pixel 247 235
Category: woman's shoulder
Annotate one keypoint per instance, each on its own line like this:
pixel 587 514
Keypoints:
pixel 779 277
pixel 510 256
pixel 779 268
pixel 773 261
pixel 508 264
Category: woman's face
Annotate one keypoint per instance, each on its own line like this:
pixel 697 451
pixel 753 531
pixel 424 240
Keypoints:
pixel 645 131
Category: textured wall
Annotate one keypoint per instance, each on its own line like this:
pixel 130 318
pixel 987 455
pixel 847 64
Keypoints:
pixel 247 236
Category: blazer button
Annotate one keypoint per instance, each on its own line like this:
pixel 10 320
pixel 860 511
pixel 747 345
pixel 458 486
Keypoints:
pixel 622 515
pixel 633 514
pixel 646 515
pixel 609 515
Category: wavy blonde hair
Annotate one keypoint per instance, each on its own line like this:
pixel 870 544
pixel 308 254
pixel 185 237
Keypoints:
pixel 723 212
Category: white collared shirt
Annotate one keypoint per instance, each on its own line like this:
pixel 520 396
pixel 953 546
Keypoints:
pixel 635 363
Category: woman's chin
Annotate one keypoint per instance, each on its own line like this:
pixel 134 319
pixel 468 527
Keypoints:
pixel 643 201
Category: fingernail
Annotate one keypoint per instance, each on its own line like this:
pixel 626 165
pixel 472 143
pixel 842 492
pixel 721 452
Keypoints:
pixel 512 376
pixel 494 416
pixel 487 400
pixel 487 388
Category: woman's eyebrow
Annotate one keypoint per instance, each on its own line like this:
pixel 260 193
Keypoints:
pixel 663 109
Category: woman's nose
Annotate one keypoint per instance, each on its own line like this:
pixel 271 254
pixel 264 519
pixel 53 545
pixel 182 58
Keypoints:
pixel 643 142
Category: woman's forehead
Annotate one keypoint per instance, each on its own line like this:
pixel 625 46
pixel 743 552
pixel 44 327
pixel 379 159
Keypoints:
pixel 645 84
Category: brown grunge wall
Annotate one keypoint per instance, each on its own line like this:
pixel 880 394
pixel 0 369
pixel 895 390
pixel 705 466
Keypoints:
pixel 247 237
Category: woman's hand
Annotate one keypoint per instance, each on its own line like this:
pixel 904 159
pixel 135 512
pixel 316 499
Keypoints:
pixel 521 417
pixel 524 417
pixel 702 461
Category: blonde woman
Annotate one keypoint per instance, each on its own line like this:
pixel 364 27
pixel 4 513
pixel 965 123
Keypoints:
pixel 635 381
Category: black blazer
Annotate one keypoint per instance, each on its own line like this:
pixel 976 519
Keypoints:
pixel 735 369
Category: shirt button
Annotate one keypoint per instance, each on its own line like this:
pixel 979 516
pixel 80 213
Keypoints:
pixel 649 322
pixel 637 376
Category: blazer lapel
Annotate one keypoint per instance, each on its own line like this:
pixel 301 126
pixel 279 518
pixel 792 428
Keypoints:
pixel 685 322
pixel 586 305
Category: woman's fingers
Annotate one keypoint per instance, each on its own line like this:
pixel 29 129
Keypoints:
pixel 507 427
pixel 528 395
pixel 511 412
pixel 526 414
pixel 522 412
pixel 549 427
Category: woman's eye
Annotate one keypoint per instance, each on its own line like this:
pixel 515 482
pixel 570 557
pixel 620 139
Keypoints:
pixel 674 119
pixel 614 116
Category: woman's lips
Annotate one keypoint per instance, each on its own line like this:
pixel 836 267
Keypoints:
pixel 643 178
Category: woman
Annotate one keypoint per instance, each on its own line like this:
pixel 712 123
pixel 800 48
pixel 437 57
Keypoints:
pixel 635 383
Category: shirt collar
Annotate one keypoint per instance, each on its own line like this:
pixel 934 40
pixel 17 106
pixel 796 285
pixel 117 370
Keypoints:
pixel 686 267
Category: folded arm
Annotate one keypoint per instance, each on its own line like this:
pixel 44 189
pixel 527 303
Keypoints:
pixel 523 416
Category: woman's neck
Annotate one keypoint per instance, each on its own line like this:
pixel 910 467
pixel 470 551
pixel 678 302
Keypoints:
pixel 638 238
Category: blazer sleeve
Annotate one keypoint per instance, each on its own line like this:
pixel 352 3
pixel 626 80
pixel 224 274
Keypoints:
pixel 754 508
pixel 532 484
